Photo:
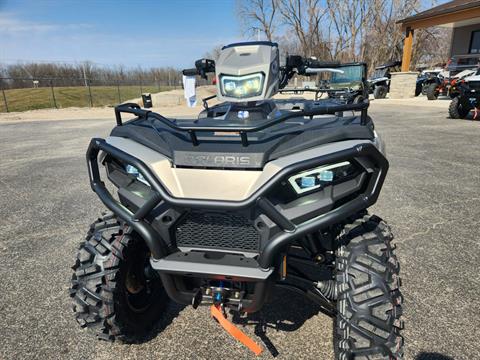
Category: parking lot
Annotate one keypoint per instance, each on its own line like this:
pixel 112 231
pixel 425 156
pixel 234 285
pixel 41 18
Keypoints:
pixel 431 199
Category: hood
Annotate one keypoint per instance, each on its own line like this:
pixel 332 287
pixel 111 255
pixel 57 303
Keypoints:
pixel 472 78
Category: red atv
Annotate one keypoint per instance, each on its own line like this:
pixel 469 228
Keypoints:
pixel 446 86
pixel 446 83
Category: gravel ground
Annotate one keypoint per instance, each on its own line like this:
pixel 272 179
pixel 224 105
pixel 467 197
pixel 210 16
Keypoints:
pixel 431 199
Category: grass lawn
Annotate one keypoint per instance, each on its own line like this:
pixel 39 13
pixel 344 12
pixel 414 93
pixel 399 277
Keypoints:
pixel 41 98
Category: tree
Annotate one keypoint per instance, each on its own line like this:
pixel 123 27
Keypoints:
pixel 344 30
pixel 258 16
pixel 304 18
pixel 214 53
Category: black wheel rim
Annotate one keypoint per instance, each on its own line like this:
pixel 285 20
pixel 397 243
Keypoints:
pixel 141 284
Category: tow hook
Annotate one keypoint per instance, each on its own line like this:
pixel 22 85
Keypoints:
pixel 219 294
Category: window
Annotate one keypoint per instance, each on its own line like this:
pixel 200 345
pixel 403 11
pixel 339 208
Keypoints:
pixel 475 42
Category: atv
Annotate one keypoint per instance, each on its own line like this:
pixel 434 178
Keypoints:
pixel 425 77
pixel 379 83
pixel 255 195
pixel 444 84
pixel 457 68
pixel 467 99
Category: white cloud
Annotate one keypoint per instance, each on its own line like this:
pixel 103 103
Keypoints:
pixel 9 24
pixel 25 41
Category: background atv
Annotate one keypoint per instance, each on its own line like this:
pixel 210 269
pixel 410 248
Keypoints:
pixel 252 195
pixel 447 86
pixel 379 82
pixel 467 99
pixel 457 68
pixel 423 79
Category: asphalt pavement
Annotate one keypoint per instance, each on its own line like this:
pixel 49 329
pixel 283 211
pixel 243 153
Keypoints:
pixel 431 199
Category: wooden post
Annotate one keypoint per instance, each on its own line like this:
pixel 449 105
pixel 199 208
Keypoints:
pixel 407 49
pixel 5 100
pixel 53 95
pixel 118 91
pixel 90 93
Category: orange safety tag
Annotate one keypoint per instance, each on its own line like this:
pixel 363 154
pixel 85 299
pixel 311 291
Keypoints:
pixel 234 331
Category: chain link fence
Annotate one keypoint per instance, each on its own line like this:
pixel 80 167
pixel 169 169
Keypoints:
pixel 21 94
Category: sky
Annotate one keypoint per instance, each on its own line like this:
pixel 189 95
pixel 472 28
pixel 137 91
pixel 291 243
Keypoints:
pixel 132 33
pixel 107 32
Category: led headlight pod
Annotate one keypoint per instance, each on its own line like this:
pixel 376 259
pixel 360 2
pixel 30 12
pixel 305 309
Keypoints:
pixel 318 177
pixel 242 86
pixel 132 170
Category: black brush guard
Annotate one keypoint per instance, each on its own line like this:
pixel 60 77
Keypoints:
pixel 290 231
pixel 270 253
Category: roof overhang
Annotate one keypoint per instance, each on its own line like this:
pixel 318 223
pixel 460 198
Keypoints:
pixel 467 14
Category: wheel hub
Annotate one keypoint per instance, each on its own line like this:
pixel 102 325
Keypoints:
pixel 133 284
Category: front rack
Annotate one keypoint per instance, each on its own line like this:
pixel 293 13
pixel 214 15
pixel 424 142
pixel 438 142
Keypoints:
pixel 193 128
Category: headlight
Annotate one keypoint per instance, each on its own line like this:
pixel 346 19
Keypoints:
pixel 132 170
pixel 321 176
pixel 242 86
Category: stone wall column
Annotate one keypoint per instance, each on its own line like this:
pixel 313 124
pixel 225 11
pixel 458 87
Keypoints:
pixel 402 85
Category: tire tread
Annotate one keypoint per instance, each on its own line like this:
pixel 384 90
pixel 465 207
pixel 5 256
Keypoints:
pixel 369 313
pixel 93 281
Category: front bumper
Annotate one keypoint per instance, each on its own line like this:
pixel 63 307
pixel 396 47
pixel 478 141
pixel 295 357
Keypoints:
pixel 176 266
pixel 374 162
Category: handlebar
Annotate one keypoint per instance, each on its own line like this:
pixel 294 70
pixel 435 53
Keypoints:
pixel 202 67
pixel 190 72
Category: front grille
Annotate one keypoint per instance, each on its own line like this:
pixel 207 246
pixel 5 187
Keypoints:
pixel 217 230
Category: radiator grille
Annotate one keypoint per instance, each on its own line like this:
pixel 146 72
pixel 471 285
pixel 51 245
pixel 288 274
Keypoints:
pixel 217 230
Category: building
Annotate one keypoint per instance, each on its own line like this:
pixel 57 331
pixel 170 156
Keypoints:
pixel 461 15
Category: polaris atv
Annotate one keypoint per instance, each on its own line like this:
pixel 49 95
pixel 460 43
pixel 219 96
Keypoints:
pixel 467 99
pixel 379 83
pixel 255 195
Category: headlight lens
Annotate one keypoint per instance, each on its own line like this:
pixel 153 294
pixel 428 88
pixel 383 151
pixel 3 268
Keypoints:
pixel 319 177
pixel 242 86
pixel 132 170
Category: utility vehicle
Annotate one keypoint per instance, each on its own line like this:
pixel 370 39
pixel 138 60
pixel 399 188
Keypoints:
pixel 445 84
pixel 255 195
pixel 467 99
pixel 347 85
pixel 379 82
pixel 425 77
pixel 457 68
